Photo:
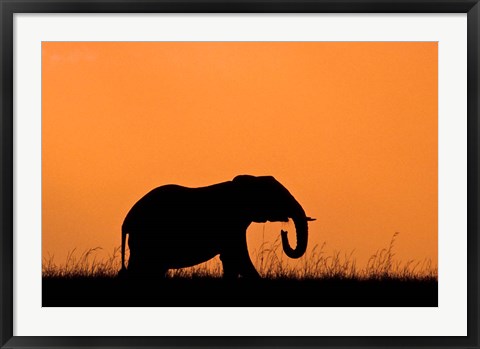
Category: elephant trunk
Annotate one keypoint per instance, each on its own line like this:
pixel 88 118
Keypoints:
pixel 301 227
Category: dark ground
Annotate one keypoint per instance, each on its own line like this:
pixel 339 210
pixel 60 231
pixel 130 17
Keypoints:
pixel 206 292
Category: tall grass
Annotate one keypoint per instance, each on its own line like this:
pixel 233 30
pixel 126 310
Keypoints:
pixel 316 264
pixel 269 261
pixel 84 265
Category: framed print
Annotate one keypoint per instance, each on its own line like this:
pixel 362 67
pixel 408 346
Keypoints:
pixel 249 174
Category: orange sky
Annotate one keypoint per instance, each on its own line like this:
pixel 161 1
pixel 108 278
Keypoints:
pixel 349 128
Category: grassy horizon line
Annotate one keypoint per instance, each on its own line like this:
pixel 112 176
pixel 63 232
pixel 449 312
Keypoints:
pixel 269 262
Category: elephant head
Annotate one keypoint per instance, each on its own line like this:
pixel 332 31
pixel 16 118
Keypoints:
pixel 265 199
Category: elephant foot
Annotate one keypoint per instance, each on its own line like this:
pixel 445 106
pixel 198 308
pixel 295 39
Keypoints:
pixel 122 274
pixel 249 275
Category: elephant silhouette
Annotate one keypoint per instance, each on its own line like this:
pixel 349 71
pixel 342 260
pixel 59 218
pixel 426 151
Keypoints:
pixel 174 226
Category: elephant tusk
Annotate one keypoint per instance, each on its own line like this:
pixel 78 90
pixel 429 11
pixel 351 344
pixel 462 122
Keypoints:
pixel 309 219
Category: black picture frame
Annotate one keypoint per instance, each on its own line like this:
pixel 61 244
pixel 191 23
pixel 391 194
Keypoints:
pixel 10 7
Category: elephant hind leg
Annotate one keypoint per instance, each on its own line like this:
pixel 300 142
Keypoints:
pixel 145 269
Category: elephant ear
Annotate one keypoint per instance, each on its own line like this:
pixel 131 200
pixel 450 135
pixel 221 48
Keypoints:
pixel 255 196
pixel 245 189
pixel 244 184
pixel 249 179
pixel 243 179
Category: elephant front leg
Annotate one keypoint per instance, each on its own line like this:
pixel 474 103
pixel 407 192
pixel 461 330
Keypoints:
pixel 248 269
pixel 236 261
pixel 230 266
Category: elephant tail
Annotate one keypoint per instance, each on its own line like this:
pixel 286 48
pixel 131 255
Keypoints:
pixel 124 236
